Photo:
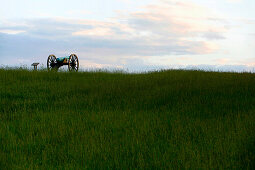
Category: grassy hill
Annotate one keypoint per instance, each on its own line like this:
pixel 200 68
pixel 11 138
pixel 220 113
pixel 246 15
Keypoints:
pixel 97 120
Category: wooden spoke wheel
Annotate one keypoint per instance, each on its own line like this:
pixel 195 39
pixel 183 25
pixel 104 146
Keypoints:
pixel 73 63
pixel 52 62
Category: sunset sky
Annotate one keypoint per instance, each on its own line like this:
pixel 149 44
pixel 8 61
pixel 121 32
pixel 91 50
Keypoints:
pixel 130 34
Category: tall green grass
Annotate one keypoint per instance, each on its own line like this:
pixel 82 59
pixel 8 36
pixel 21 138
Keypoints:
pixel 99 120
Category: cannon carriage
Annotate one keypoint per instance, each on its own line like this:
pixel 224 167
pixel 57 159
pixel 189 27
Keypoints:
pixel 54 63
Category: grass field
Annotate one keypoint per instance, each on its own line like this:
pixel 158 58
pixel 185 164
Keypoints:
pixel 96 120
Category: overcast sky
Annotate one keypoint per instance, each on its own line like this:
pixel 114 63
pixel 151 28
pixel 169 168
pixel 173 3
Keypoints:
pixel 129 34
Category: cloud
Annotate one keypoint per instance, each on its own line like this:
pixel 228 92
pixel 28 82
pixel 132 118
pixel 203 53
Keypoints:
pixel 234 1
pixel 6 31
pixel 166 28
pixel 94 32
pixel 222 61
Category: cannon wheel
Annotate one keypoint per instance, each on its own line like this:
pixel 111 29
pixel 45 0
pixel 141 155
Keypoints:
pixel 52 63
pixel 73 63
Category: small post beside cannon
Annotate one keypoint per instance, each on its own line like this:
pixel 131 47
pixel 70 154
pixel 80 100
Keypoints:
pixel 35 65
pixel 71 61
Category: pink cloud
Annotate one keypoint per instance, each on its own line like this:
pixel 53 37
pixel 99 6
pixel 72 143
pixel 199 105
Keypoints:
pixel 162 24
pixel 164 29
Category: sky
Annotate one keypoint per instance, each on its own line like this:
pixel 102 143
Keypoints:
pixel 130 34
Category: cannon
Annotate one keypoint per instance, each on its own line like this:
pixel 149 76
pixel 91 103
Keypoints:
pixel 54 63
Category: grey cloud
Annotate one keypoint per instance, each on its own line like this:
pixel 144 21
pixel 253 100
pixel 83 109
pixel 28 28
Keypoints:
pixel 139 36
pixel 42 32
pixel 213 36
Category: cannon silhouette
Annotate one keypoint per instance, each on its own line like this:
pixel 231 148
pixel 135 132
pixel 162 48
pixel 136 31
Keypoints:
pixel 71 61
